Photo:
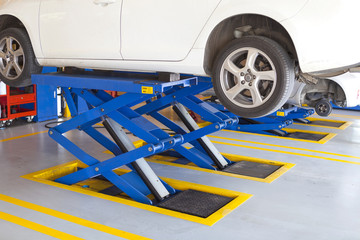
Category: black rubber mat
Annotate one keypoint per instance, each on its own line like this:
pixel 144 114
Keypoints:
pixel 252 169
pixel 201 204
pixel 112 191
pixel 306 136
pixel 327 123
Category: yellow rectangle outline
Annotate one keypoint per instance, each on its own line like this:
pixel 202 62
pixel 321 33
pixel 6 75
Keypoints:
pixel 233 157
pixel 328 136
pixel 342 127
pixel 239 197
pixel 325 139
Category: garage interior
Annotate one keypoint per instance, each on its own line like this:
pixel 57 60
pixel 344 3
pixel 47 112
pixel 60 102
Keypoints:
pixel 310 191
pixel 179 120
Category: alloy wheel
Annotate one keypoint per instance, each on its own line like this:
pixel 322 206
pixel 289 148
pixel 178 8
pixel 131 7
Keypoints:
pixel 248 77
pixel 12 58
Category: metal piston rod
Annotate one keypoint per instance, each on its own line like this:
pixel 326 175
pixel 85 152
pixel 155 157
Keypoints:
pixel 150 179
pixel 204 141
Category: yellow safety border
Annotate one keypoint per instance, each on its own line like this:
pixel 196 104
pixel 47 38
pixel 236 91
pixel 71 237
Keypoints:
pixel 328 136
pixel 344 116
pixel 233 157
pixel 344 125
pixel 325 139
pixel 47 176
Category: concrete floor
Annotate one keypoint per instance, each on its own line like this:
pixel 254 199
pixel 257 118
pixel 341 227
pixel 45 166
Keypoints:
pixel 317 199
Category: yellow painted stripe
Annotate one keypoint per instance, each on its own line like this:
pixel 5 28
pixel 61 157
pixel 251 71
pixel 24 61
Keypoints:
pixel 286 152
pixel 22 136
pixel 37 227
pixel 281 146
pixel 343 126
pixel 344 116
pixel 326 138
pixel 70 218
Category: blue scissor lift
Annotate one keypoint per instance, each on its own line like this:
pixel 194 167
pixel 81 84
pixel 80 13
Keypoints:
pixel 271 124
pixel 125 112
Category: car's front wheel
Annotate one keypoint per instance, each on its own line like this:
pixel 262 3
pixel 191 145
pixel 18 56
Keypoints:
pixel 253 76
pixel 17 59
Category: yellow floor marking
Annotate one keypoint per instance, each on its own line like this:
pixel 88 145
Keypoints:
pixel 37 227
pixel 286 152
pixel 47 176
pixel 281 146
pixel 70 218
pixel 22 136
pixel 326 138
pixel 343 126
pixel 344 116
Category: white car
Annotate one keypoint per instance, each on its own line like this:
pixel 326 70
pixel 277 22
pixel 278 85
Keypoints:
pixel 253 50
pixel 342 91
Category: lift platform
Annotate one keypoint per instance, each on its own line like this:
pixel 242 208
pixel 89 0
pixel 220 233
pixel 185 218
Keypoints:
pixel 288 115
pixel 127 112
pixel 271 124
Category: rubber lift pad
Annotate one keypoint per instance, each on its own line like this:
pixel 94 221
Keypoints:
pixel 252 169
pixel 201 204
pixel 327 123
pixel 306 136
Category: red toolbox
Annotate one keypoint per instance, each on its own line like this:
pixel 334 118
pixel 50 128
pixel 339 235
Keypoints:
pixel 18 102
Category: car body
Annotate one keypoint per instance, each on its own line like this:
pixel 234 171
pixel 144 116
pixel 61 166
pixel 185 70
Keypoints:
pixel 190 37
pixel 342 91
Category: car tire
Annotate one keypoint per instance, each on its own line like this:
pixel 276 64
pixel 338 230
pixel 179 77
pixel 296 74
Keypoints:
pixel 253 76
pixel 17 58
pixel 323 108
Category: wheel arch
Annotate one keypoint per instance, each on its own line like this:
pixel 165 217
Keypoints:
pixel 10 21
pixel 327 88
pixel 15 28
pixel 244 25
pixel 338 90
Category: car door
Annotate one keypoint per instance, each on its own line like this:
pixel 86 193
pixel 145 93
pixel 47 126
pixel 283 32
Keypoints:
pixel 162 29
pixel 80 29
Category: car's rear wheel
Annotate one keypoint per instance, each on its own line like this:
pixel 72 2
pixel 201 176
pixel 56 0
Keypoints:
pixel 253 76
pixel 323 108
pixel 17 59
